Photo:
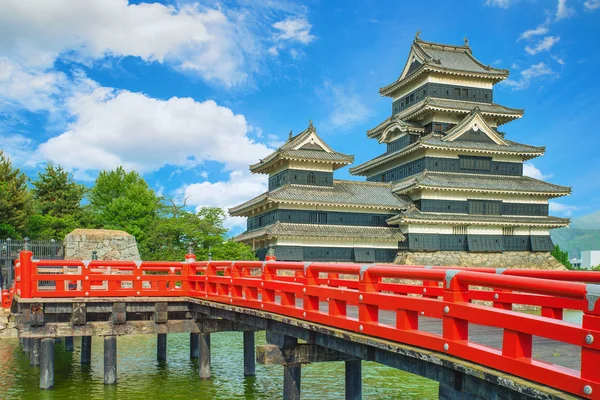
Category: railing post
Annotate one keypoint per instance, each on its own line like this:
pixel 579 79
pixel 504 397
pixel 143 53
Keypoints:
pixel 190 257
pixel 454 329
pixel 26 270
pixel 590 358
pixel 367 313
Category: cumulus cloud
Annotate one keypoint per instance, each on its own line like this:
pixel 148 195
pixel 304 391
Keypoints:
pixel 525 76
pixel 498 3
pixel 191 37
pixel 561 209
pixel 17 148
pixel 292 31
pixel 530 170
pixel 543 45
pixel 346 107
pixel 591 4
pixel 563 11
pixel 239 188
pixel 113 128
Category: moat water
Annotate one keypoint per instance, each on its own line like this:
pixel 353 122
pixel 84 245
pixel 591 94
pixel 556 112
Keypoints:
pixel 140 376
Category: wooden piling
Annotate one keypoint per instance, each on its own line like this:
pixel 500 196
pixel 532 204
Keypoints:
pixel 69 347
pixel 34 355
pixel 26 345
pixel 46 363
pixel 249 354
pixel 86 350
pixel 291 381
pixel 353 380
pixel 110 360
pixel 161 347
pixel 193 345
pixel 204 356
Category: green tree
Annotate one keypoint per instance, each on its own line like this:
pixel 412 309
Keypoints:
pixel 15 200
pixel 58 205
pixel 177 230
pixel 123 200
pixel 562 257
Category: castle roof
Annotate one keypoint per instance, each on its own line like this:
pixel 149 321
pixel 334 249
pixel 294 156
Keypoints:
pixel 316 231
pixel 427 57
pixel 343 193
pixel 475 183
pixel 413 215
pixel 305 146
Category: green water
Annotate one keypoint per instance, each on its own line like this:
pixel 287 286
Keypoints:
pixel 140 376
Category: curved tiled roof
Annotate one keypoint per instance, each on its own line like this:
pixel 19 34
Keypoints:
pixel 414 215
pixel 478 183
pixel 342 193
pixel 334 232
pixel 444 58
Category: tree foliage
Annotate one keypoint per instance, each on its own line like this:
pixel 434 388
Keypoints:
pixel 56 204
pixel 15 200
pixel 562 257
pixel 124 201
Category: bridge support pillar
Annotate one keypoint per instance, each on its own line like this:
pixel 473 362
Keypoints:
pixel 353 380
pixel 47 363
pixel 204 355
pixel 110 360
pixel 86 350
pixel 249 354
pixel 26 345
pixel 193 345
pixel 292 375
pixel 69 344
pixel 161 347
pixel 34 355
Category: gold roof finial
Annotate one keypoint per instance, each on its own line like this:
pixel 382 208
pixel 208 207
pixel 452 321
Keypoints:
pixel 289 137
pixel 418 33
pixel 310 125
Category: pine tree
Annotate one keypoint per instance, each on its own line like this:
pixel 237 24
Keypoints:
pixel 56 193
pixel 15 200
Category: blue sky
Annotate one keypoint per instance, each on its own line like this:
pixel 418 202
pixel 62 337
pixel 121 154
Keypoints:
pixel 190 93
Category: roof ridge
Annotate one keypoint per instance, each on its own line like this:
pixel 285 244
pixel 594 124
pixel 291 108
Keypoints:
pixel 362 182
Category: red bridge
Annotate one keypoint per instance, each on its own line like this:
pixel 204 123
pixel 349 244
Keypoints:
pixel 459 326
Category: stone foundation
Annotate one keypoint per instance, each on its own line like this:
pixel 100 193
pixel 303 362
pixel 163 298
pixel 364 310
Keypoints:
pixel 109 245
pixel 512 259
pixel 8 329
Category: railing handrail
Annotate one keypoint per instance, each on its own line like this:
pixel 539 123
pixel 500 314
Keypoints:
pixel 445 293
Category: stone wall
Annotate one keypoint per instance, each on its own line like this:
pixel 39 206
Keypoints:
pixel 509 259
pixel 109 245
pixel 7 325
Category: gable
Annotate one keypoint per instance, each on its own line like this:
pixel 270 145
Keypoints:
pixel 413 63
pixel 313 142
pixel 474 128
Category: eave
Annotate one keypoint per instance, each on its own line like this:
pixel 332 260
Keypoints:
pixel 413 188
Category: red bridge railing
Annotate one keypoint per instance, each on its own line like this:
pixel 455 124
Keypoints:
pixel 298 289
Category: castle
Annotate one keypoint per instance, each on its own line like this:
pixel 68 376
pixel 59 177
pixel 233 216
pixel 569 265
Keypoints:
pixel 448 190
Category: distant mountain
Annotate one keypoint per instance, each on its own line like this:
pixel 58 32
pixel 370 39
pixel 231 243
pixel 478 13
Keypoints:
pixel 574 240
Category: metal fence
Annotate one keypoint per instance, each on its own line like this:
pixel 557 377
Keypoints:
pixel 9 252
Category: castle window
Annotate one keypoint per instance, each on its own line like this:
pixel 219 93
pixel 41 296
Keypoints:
pixel 317 218
pixel 382 177
pixel 508 231
pixel 459 230
pixel 437 127
pixel 412 98
pixel 311 179
pixel 456 92
pixel 465 92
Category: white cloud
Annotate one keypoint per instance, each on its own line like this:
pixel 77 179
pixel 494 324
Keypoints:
pixel 592 4
pixel 563 11
pixel 274 140
pixel 191 37
pixel 113 128
pixel 498 3
pixel 17 148
pixel 559 60
pixel 561 209
pixel 543 45
pixel 526 75
pixel 347 108
pixel 540 30
pixel 294 29
pixel 239 188
pixel 530 170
